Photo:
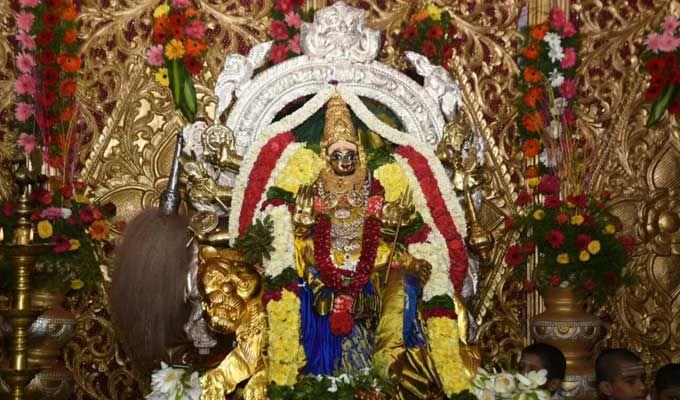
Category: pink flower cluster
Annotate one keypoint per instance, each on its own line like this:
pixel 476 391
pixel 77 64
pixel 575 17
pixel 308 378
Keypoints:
pixel 285 30
pixel 26 83
pixel 559 22
pixel 665 41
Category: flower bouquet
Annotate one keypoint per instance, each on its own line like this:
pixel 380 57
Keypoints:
pixel 170 383
pixel 506 385
pixel 663 63
pixel 346 386
pixel 77 230
pixel 429 34
pixel 178 45
pixel 561 218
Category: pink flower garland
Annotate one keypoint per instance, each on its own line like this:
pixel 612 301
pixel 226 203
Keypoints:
pixel 440 213
pixel 259 176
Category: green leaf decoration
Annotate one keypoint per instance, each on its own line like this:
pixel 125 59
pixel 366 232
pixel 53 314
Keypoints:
pixel 256 242
pixel 659 106
pixel 378 157
pixel 189 97
pixel 176 76
pixel 276 192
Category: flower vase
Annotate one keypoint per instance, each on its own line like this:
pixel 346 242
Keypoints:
pixel 567 326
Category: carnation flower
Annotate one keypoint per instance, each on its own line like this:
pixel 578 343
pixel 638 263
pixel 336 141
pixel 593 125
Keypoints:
pixel 557 18
pixel 293 19
pixel 555 238
pixel 25 85
pixel 569 58
pixel 549 185
pixel 670 24
pixel 26 41
pixel 279 53
pixel 569 30
pixel 181 4
pixel 514 256
pixel 25 63
pixel 29 3
pixel 294 44
pixel 668 43
pixel 568 89
pixel 278 30
pixel 51 213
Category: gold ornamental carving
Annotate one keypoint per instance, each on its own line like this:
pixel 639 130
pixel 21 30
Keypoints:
pixel 129 123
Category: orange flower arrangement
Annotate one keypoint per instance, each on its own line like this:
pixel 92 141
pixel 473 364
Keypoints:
pixel 532 75
pixel 419 16
pixel 532 147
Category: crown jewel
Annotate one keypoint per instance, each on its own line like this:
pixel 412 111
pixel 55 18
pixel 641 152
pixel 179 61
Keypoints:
pixel 338 123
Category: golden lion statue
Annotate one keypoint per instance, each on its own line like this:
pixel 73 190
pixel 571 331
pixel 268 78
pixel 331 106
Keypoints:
pixel 232 300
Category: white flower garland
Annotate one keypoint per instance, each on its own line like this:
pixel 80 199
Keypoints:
pixel 286 124
pixel 434 250
pixel 401 138
pixel 283 255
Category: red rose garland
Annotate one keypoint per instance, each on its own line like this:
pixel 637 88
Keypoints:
pixel 259 176
pixel 440 214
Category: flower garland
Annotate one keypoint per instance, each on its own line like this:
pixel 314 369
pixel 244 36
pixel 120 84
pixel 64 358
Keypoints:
pixel 178 46
pixel 401 138
pixel 549 88
pixel 259 176
pixel 433 250
pixel 442 218
pixel 255 150
pixel 170 383
pixel 442 334
pixel 287 17
pixel 283 255
pixel 505 385
pixel 430 33
pixel 303 168
pixel 341 320
pixel 663 64
pixel 45 90
pixel 285 354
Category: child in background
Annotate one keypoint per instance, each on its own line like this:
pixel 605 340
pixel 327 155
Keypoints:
pixel 667 383
pixel 538 356
pixel 620 375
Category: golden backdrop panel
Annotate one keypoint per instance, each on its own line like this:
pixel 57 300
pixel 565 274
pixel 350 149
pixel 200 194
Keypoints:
pixel 640 166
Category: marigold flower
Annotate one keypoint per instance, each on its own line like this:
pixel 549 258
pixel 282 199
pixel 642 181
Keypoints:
pixel 99 230
pixel 594 247
pixel 77 284
pixel 531 147
pixel 609 229
pixel 45 229
pixel 69 62
pixel 563 258
pixel 584 256
pixel 161 10
pixel 533 182
pixel 69 13
pixel 419 17
pixel 532 51
pixel 577 219
pixel 539 214
pixel 194 47
pixel 532 97
pixel 538 32
pixel 434 12
pixel 174 49
pixel 75 244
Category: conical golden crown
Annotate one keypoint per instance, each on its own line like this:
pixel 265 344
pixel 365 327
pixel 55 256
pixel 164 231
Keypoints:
pixel 338 124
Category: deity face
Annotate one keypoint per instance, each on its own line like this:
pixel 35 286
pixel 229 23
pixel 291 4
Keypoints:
pixel 228 286
pixel 343 158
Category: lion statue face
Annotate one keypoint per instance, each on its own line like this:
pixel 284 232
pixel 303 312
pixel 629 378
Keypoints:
pixel 228 285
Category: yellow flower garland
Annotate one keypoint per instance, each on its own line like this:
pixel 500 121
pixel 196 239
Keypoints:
pixel 392 179
pixel 302 169
pixel 442 335
pixel 284 351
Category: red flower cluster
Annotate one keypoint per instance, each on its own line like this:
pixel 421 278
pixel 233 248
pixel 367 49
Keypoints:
pixel 430 34
pixel 259 176
pixel 185 27
pixel 440 213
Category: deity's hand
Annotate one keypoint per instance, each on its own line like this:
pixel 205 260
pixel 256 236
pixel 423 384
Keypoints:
pixel 399 213
pixel 304 207
pixel 420 268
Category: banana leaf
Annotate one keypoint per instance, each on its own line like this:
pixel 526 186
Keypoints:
pixel 182 88
pixel 659 106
